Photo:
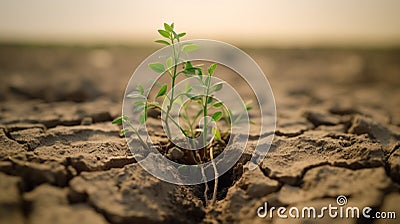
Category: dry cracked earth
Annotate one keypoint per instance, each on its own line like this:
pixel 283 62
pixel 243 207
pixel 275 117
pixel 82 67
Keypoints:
pixel 62 161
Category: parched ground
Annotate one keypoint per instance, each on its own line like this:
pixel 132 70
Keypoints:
pixel 62 161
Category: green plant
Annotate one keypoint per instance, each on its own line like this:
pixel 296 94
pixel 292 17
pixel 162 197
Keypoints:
pixel 205 105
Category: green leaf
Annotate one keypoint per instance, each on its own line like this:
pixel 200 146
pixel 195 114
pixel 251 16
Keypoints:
pixel 189 71
pixel 164 34
pixel 169 62
pixel 207 81
pixel 217 115
pixel 181 34
pixel 188 88
pixel 199 86
pixel 217 86
pixel 139 108
pixel 172 25
pixel 212 68
pixel 142 118
pixel 199 72
pixel 162 91
pixel 196 97
pixel 167 27
pixel 188 64
pixel 153 105
pixel 140 89
pixel 218 104
pixel 157 67
pixel 135 94
pixel 217 134
pixel 209 100
pixel 162 42
pixel 117 120
pixel 175 35
pixel 248 105
pixel 124 132
pixel 139 103
pixel 190 47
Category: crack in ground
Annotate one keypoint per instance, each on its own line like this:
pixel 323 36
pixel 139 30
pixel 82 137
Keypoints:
pixel 298 179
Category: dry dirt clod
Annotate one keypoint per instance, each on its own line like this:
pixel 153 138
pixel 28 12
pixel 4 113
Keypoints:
pixel 44 197
pixel 175 153
pixel 10 200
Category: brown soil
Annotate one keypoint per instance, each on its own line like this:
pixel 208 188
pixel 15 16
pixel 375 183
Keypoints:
pixel 62 161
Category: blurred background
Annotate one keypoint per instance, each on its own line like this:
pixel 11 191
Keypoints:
pixel 250 23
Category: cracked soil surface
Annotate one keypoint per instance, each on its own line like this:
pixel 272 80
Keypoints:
pixel 62 161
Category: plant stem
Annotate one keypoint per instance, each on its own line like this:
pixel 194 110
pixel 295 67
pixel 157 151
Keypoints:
pixel 205 186
pixel 172 88
pixel 214 197
pixel 205 107
pixel 144 144
pixel 170 117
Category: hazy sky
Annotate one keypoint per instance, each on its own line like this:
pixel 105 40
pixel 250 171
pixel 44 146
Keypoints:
pixel 284 22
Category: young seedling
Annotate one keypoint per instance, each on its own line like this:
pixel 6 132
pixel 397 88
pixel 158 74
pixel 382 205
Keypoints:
pixel 207 108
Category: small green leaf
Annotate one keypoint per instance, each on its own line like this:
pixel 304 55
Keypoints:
pixel 199 86
pixel 248 105
pixel 140 89
pixel 135 94
pixel 162 42
pixel 172 25
pixel 164 34
pixel 167 27
pixel 139 108
pixel 190 71
pixel 188 88
pixel 207 81
pixel 124 132
pixel 217 115
pixel 157 67
pixel 209 100
pixel 190 47
pixel 218 104
pixel 175 35
pixel 199 72
pixel 181 34
pixel 212 68
pixel 169 62
pixel 117 120
pixel 142 118
pixel 217 134
pixel 162 91
pixel 153 105
pixel 139 103
pixel 217 86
